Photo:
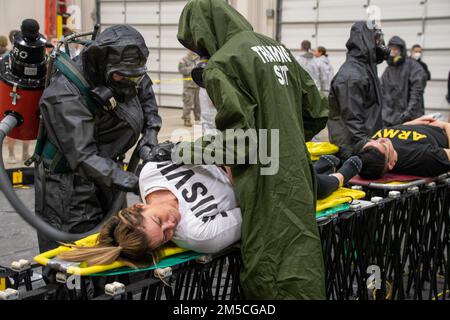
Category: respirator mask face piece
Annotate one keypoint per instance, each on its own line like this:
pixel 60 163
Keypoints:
pixel 395 56
pixel 416 55
pixel 197 72
pixel 120 87
pixel 123 82
pixel 382 51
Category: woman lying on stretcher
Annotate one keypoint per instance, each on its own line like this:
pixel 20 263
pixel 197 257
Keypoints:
pixel 193 206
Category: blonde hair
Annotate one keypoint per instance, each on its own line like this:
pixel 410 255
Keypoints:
pixel 3 41
pixel 121 238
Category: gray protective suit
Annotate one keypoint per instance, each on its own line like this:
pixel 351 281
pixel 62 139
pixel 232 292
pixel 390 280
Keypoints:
pixel 77 200
pixel 355 96
pixel 403 85
pixel 309 63
pixel 326 74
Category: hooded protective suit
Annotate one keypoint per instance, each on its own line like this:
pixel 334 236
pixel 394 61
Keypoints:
pixel 326 74
pixel 355 96
pixel 403 84
pixel 255 83
pixel 77 199
pixel 311 65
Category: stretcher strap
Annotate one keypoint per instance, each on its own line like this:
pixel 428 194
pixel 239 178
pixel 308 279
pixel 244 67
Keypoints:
pixel 334 210
pixel 165 263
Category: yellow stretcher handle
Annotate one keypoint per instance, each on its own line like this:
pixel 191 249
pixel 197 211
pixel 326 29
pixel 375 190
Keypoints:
pixel 342 195
pixel 317 149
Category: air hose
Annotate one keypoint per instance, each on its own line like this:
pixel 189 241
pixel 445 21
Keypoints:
pixel 6 125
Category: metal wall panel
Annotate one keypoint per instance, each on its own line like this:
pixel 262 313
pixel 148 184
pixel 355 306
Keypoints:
pixel 342 10
pixel 171 11
pixel 170 59
pixel 157 20
pixel 435 96
pixel 328 22
pixel 305 11
pixel 411 32
pixel 438 63
pixel 438 8
pixel 292 35
pixel 142 13
pixel 400 9
pixel 437 34
pixel 112 12
pixel 333 35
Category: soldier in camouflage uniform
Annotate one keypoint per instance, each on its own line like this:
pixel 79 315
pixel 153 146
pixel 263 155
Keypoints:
pixel 190 89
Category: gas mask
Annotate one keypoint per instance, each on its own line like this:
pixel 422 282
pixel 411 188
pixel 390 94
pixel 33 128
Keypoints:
pixel 381 50
pixel 125 88
pixel 197 72
pixel 395 57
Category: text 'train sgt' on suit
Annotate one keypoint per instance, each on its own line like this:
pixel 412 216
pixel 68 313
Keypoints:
pixel 281 248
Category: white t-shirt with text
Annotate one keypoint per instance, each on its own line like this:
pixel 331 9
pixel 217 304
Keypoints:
pixel 210 216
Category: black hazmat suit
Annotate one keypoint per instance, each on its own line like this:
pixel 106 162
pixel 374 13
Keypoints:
pixel 402 84
pixel 355 95
pixel 76 200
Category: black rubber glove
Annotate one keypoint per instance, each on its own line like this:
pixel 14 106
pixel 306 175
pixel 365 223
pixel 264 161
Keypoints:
pixel 149 139
pixel 160 153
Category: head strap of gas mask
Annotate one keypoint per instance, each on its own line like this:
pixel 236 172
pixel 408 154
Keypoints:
pixel 197 72
pixel 382 51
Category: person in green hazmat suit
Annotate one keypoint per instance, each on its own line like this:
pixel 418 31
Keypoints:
pixel 256 83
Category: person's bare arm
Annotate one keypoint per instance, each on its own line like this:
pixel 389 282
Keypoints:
pixel 446 127
pixel 424 120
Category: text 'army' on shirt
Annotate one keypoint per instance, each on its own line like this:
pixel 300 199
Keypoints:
pixel 277 54
pixel 192 195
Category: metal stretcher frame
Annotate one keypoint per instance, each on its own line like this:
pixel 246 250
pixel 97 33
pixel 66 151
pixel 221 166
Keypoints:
pixel 211 277
pixel 415 234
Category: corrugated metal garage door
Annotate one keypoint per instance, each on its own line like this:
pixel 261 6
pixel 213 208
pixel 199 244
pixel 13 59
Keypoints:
pixel 327 23
pixel 157 20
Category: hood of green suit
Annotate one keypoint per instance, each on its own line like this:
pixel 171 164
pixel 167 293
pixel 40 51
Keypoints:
pixel 206 25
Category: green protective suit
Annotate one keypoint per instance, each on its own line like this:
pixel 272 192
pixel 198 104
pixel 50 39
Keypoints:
pixel 256 83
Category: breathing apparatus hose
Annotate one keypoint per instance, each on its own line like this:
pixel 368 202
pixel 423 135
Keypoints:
pixel 6 125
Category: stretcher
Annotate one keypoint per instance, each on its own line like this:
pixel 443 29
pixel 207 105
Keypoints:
pixel 171 254
pixel 415 233
pixel 391 181
pixel 407 237
pixel 318 149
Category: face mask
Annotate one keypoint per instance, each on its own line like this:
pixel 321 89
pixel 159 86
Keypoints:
pixel 125 89
pixel 197 72
pixel 417 55
pixel 381 50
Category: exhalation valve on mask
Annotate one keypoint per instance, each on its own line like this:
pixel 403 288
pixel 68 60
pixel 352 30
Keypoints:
pixel 104 96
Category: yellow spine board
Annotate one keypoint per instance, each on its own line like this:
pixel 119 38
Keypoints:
pixel 317 149
pixel 2 284
pixel 342 195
